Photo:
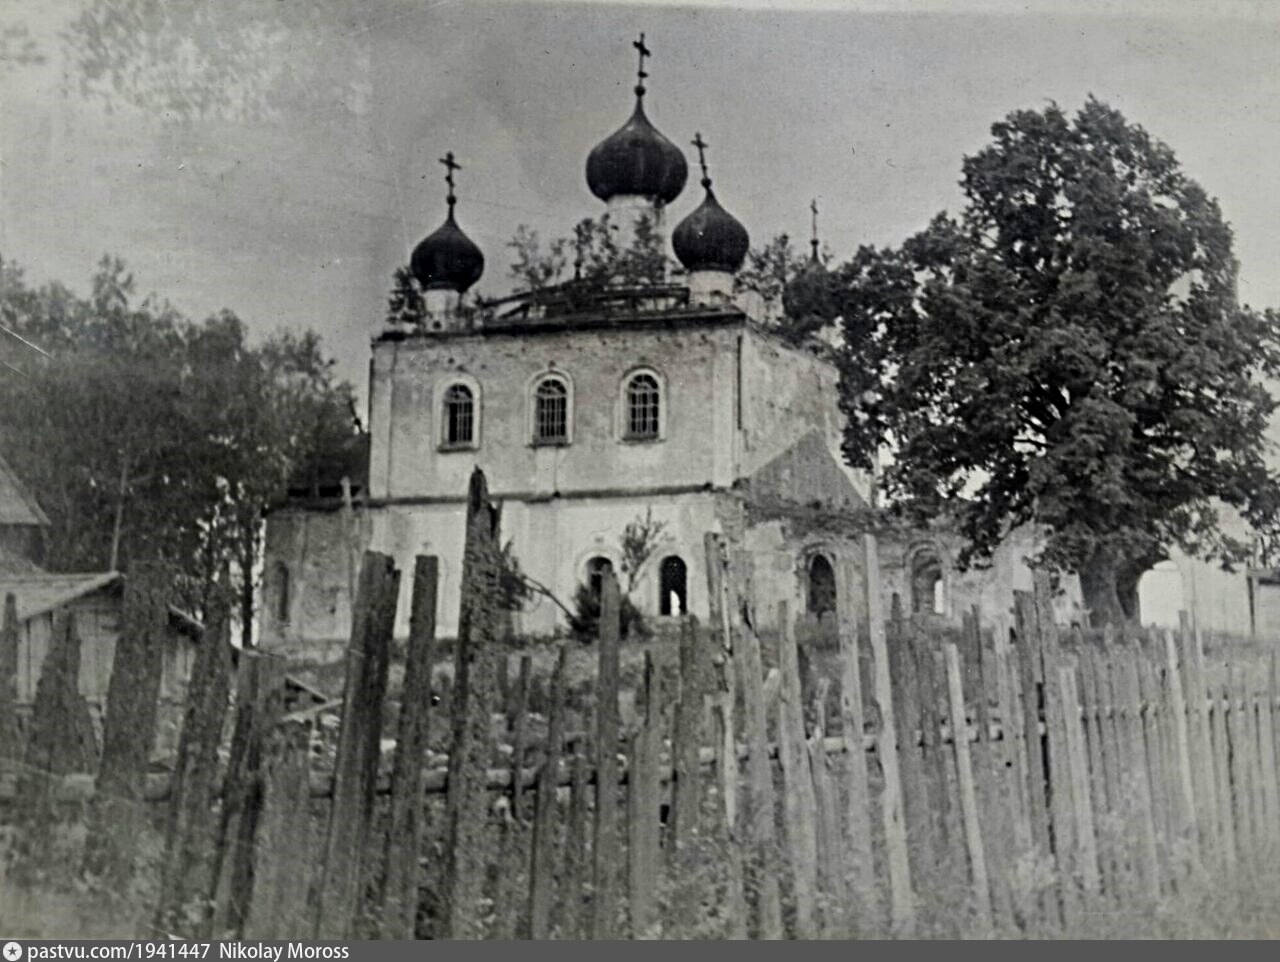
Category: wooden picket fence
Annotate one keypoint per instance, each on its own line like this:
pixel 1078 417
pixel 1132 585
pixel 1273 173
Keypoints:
pixel 1002 777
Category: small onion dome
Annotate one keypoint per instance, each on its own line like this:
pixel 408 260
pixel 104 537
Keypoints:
pixel 710 239
pixel 637 160
pixel 447 259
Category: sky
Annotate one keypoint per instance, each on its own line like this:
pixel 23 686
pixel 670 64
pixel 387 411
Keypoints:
pixel 298 219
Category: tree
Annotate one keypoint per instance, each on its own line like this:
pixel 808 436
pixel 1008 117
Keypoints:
pixel 796 291
pixel 1067 352
pixel 599 259
pixel 146 436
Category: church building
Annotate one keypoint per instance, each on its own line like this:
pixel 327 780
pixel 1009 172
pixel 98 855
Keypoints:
pixel 672 401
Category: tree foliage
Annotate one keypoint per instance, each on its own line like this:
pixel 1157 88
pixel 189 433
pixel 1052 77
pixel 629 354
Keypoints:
pixel 1069 351
pixel 600 258
pixel 146 436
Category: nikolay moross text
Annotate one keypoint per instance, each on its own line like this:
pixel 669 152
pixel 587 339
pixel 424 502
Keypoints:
pixel 274 953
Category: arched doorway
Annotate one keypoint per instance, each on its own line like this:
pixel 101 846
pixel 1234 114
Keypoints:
pixel 928 590
pixel 822 586
pixel 597 568
pixel 673 595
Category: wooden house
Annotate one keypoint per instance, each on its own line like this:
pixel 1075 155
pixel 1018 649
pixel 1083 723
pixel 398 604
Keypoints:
pixel 95 602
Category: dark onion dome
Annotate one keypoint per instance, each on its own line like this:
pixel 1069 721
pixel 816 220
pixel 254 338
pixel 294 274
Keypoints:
pixel 710 239
pixel 637 160
pixel 447 259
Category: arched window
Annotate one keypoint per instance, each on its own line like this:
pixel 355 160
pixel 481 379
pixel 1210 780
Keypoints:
pixel 459 416
pixel 822 586
pixel 597 568
pixel 283 600
pixel 928 591
pixel 643 399
pixel 673 595
pixel 551 412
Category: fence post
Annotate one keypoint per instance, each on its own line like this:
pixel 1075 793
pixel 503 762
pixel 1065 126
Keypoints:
pixel 1086 851
pixel 355 769
pixel 857 820
pixel 188 838
pixel 644 805
pixel 576 835
pixel 543 869
pixel 480 629
pixel 258 706
pixel 283 849
pixel 721 597
pixel 605 850
pixel 1200 745
pixel 511 857
pixel 798 800
pixel 981 890
pixel 59 743
pixel 1141 826
pixel 413 729
pixel 687 793
pixel 831 850
pixel 1182 746
pixel 1221 704
pixel 901 900
pixel 129 728
pixel 761 832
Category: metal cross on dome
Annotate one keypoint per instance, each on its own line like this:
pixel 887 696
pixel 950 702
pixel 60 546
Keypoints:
pixel 643 52
pixel 813 240
pixel 702 146
pixel 450 166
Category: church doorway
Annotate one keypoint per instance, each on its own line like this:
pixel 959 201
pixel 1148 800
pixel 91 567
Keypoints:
pixel 928 589
pixel 822 586
pixel 672 586
pixel 597 568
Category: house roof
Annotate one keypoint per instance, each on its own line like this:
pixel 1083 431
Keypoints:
pixel 37 594
pixel 17 506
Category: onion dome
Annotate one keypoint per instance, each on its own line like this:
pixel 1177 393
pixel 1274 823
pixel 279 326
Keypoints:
pixel 636 159
pixel 447 259
pixel 710 239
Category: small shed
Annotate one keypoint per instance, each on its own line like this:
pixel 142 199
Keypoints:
pixel 95 602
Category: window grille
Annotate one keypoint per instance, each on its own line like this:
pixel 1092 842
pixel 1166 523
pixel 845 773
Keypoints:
pixel 459 415
pixel 642 406
pixel 551 411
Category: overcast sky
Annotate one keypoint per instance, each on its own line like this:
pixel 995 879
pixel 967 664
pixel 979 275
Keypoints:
pixel 300 220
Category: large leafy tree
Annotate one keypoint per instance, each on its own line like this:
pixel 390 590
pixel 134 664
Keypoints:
pixel 147 436
pixel 1068 351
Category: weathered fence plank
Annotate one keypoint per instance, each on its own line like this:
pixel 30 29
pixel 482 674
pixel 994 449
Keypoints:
pixel 901 897
pixel 259 701
pixel 857 811
pixel 60 741
pixel 1222 767
pixel 1142 830
pixel 759 796
pixel 798 798
pixel 184 881
pixel 481 627
pixel 644 808
pixel 359 739
pixel 512 864
pixel 542 872
pixel 405 826
pixel 129 727
pixel 1177 703
pixel 283 847
pixel 980 885
pixel 606 851
pixel 1199 741
pixel 573 906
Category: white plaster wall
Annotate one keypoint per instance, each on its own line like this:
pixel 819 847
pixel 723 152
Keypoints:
pixel 552 540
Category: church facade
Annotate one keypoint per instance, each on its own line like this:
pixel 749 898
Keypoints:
pixel 671 402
